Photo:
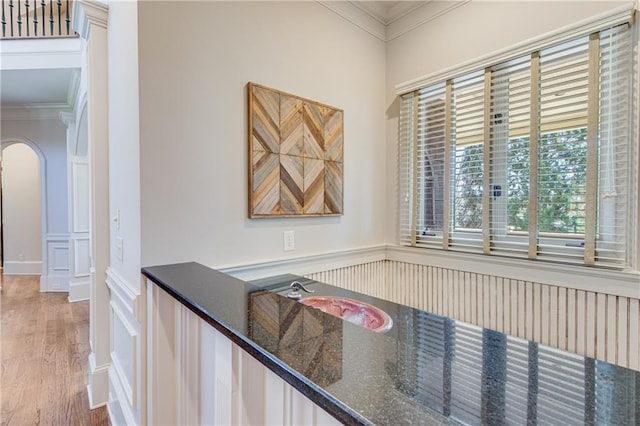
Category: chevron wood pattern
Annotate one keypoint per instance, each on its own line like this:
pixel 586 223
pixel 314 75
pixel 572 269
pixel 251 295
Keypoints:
pixel 332 187
pixel 265 120
pixel 266 184
pixel 291 184
pixel 313 185
pixel 296 155
pixel 313 131
pixel 333 130
pixel 307 339
pixel 291 125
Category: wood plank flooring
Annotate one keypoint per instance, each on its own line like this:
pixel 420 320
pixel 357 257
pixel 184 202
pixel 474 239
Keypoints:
pixel 44 351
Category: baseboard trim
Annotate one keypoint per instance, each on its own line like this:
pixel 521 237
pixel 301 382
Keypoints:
pixel 119 411
pixel 307 264
pixel 22 268
pixel 55 284
pixel 98 387
pixel 79 290
pixel 115 417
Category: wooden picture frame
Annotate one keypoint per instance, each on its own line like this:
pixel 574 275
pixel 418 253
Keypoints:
pixel 296 166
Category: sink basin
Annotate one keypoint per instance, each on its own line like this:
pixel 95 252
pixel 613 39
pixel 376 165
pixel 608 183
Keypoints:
pixel 354 311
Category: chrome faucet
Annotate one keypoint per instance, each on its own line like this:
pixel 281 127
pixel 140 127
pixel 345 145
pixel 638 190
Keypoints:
pixel 295 294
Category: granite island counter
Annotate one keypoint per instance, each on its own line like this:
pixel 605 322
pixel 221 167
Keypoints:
pixel 246 354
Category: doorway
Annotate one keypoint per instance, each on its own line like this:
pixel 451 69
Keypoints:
pixel 22 205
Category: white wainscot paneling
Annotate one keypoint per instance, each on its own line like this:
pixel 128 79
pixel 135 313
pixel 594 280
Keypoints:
pixel 80 283
pixel 81 199
pixel 79 210
pixel 198 376
pixel 244 390
pixel 126 371
pixel 57 268
pixel 570 308
pixel 592 323
pixel 82 257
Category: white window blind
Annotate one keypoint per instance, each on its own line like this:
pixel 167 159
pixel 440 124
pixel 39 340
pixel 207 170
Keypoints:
pixel 532 157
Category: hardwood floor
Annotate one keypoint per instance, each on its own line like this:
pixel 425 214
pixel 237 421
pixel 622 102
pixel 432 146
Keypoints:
pixel 44 349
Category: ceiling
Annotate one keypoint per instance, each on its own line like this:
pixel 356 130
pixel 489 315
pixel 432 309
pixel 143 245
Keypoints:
pixel 387 12
pixel 41 87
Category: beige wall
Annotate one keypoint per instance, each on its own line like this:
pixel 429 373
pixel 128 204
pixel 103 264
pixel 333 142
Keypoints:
pixel 21 209
pixel 193 130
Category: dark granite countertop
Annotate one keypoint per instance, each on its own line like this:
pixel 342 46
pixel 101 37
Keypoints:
pixel 427 369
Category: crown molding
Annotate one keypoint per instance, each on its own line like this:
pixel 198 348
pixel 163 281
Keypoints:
pixel 419 16
pixel 387 15
pixel 402 18
pixel 35 112
pixel 357 16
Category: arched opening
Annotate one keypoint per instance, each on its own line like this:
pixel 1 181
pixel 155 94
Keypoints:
pixel 23 208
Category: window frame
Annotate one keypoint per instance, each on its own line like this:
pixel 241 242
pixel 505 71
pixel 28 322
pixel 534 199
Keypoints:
pixel 443 238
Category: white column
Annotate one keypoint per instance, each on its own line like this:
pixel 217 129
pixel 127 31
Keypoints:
pixel 90 21
pixel 78 206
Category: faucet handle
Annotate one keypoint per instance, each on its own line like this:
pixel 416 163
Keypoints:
pixel 297 286
pixel 295 292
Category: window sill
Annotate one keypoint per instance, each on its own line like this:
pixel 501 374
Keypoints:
pixel 619 283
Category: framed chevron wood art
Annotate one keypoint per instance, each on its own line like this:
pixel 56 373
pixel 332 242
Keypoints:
pixel 295 155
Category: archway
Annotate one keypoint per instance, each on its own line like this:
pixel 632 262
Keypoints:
pixel 24 150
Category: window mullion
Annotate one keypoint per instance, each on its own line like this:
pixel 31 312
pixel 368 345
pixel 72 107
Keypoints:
pixel 534 129
pixel 593 106
pixel 486 192
pixel 414 154
pixel 446 214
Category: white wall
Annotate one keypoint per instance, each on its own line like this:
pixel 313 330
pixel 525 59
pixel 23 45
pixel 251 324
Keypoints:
pixel 126 401
pixel 193 125
pixel 21 208
pixel 50 137
pixel 124 145
pixel 471 31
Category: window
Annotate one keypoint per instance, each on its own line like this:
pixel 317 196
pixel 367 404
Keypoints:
pixel 534 157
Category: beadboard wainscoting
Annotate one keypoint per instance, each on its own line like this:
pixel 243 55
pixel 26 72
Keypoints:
pixel 198 376
pixel 591 323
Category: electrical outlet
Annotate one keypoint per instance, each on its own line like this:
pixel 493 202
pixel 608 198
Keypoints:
pixel 21 257
pixel 289 240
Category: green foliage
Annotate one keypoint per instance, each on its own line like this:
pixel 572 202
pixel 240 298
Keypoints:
pixel 562 168
pixel 469 177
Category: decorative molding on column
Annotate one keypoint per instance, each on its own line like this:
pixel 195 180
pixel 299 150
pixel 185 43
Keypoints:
pixel 34 111
pixel 90 18
pixel 87 13
pixel 67 118
pixel 79 290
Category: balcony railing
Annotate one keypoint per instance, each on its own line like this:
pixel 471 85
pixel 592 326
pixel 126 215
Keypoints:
pixel 36 19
